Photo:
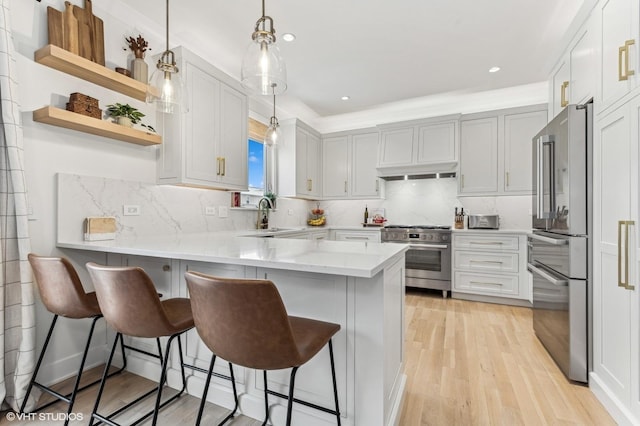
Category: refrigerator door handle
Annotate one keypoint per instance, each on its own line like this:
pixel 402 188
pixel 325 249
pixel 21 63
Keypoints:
pixel 546 141
pixel 547 276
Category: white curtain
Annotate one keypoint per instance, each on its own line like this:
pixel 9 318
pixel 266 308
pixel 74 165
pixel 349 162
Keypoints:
pixel 17 311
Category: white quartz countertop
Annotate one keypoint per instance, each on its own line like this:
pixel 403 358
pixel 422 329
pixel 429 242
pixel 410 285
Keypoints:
pixel 358 259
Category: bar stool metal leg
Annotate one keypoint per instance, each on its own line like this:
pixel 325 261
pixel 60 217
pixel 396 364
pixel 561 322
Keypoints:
pixel 70 397
pixel 266 398
pixel 235 397
pixel 206 389
pixel 94 413
pixel 333 377
pixel 292 381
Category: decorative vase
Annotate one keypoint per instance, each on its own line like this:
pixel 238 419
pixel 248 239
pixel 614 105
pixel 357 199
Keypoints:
pixel 124 121
pixel 140 70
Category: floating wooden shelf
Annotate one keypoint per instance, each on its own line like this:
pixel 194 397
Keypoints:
pixel 65 61
pixel 95 126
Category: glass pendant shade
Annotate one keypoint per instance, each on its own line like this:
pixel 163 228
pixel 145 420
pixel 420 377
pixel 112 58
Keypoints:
pixel 263 68
pixel 273 134
pixel 167 90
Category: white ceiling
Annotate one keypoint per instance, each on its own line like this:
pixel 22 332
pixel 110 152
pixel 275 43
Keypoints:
pixel 380 51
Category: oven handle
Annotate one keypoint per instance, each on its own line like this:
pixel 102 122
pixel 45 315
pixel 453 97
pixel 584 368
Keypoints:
pixel 549 240
pixel 553 280
pixel 428 246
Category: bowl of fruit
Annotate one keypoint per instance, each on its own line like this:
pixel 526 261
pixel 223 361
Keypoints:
pixel 317 217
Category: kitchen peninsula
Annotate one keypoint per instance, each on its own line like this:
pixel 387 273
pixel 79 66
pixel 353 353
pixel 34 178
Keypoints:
pixel 359 285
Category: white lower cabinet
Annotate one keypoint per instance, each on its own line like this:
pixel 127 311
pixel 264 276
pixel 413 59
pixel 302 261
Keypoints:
pixel 356 235
pixel 492 264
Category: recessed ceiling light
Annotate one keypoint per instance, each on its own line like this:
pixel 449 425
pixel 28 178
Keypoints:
pixel 288 37
pixel 345 98
pixel 494 69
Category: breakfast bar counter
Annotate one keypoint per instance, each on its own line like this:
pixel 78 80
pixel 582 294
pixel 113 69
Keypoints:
pixel 359 285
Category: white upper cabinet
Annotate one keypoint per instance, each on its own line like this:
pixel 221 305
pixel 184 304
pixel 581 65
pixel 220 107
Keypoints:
pixel 519 129
pixel 349 164
pixel 573 80
pixel 207 146
pixel 618 47
pixel 478 156
pixel 335 159
pixel 496 150
pixel 299 161
pixel 421 146
pixel 364 157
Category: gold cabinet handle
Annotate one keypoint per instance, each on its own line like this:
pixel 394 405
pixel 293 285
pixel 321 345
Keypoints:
pixel 377 185
pixel 345 186
pixel 507 178
pixel 218 166
pixel 624 283
pixel 623 51
pixel 563 94
pixel 309 184
pixel 462 183
pixel 224 166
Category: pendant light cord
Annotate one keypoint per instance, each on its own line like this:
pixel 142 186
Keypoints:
pixel 167 38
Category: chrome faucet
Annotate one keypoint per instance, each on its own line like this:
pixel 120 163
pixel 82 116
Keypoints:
pixel 263 219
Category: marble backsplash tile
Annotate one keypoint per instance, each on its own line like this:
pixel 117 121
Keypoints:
pixel 172 210
pixel 430 201
pixel 164 209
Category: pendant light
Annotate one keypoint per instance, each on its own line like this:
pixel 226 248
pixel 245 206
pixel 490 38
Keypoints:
pixel 272 135
pixel 166 87
pixel 263 69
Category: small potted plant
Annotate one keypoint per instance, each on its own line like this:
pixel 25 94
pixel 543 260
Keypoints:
pixel 126 115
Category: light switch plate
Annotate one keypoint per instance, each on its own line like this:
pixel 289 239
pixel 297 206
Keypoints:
pixel 223 211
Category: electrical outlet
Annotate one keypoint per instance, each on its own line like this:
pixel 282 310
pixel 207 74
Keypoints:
pixel 131 210
pixel 290 212
pixel 223 211
pixel 210 211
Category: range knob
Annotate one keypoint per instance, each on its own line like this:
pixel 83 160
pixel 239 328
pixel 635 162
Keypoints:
pixel 429 237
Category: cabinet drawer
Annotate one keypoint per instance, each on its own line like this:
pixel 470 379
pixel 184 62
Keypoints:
pixel 485 261
pixel 487 284
pixel 486 242
pixel 373 236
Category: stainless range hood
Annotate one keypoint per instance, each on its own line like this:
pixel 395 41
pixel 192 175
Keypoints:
pixel 420 176
pixel 418 171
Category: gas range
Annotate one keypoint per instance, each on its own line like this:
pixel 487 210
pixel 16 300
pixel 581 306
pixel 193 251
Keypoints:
pixel 428 260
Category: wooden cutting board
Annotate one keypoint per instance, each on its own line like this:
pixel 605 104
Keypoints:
pixel 91 33
pixel 97 28
pixel 55 27
pixel 70 28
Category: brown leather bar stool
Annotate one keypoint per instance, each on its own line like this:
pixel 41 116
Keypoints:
pixel 62 294
pixel 246 323
pixel 131 306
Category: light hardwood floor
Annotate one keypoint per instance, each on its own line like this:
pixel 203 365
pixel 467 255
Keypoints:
pixel 467 363
pixel 471 363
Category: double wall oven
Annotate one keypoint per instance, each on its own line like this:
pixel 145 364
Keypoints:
pixel 428 260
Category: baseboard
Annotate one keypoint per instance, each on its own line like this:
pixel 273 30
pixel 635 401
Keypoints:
pixel 491 299
pixel 396 409
pixel 65 368
pixel 611 403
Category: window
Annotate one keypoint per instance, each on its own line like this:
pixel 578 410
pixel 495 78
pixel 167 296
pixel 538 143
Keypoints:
pixel 256 166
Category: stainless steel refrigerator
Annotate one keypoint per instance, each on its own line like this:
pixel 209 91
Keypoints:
pixel 559 247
